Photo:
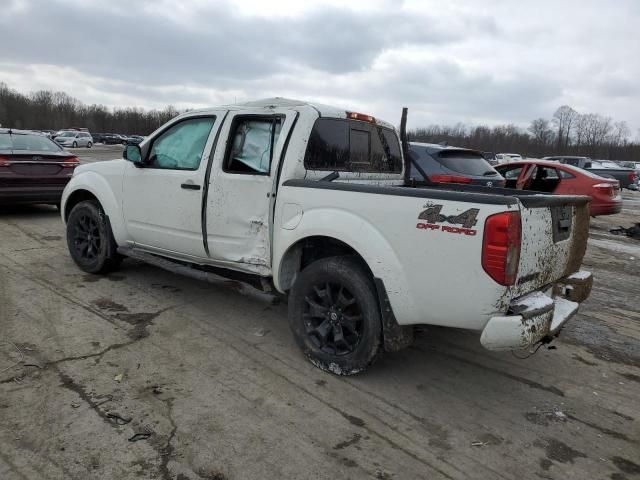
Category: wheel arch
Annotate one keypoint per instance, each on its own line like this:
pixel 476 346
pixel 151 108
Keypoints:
pixel 91 186
pixel 308 249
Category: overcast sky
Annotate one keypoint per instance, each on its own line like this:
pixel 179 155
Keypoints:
pixel 489 61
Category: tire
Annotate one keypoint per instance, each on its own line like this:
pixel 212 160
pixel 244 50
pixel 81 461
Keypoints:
pixel 90 240
pixel 89 144
pixel 75 145
pixel 340 332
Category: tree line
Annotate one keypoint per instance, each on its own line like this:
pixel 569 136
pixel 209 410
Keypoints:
pixel 46 110
pixel 568 132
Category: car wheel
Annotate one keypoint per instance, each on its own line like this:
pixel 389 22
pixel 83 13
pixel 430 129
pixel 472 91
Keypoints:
pixel 90 239
pixel 89 144
pixel 75 145
pixel 334 315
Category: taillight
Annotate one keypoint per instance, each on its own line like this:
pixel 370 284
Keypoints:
pixel 633 176
pixel 501 247
pixel 450 179
pixel 361 116
pixel 4 161
pixel 71 162
pixel 606 188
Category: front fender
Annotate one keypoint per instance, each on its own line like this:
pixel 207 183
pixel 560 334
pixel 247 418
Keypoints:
pixel 103 190
pixel 359 234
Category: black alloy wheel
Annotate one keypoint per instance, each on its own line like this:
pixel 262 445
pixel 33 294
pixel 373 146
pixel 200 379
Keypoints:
pixel 333 319
pixel 86 237
pixel 334 314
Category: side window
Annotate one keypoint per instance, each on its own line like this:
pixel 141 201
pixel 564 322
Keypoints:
pixel 550 173
pixel 564 174
pixel 352 146
pixel 512 173
pixel 251 144
pixel 182 145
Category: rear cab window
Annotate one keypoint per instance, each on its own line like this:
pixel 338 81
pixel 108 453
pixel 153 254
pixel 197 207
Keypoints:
pixel 345 145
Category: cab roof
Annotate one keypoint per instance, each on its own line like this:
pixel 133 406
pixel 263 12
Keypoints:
pixel 289 103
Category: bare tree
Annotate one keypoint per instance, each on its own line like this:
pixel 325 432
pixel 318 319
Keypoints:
pixel 541 131
pixel 564 119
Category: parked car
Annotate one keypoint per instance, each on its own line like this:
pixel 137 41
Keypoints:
pixel 312 202
pixel 33 169
pixel 435 163
pixel 559 179
pixel 74 139
pixel 490 157
pixel 508 157
pixel 111 139
pixel 98 137
pixel 134 139
pixel 627 177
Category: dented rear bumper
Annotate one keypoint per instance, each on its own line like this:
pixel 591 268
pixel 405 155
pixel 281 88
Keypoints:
pixel 537 315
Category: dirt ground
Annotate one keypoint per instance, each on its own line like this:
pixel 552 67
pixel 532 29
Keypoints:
pixel 144 374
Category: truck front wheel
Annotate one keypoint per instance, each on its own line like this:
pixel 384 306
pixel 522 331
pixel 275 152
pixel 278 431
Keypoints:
pixel 90 240
pixel 334 315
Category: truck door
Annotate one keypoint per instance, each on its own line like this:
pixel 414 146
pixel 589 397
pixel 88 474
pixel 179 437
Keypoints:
pixel 241 188
pixel 162 202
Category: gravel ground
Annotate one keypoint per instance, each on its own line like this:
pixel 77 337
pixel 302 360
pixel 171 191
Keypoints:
pixel 146 374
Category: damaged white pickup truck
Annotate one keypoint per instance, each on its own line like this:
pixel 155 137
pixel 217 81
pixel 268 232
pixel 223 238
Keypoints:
pixel 312 202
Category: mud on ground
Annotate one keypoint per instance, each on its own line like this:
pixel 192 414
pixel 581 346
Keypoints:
pixel 145 374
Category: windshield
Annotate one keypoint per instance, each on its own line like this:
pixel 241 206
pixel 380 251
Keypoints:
pixel 67 134
pixel 34 143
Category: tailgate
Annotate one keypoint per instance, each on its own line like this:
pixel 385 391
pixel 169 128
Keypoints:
pixel 555 230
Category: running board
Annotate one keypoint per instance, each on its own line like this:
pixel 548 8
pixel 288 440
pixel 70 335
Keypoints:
pixel 212 275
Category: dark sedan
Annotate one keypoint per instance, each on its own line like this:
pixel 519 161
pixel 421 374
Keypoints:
pixel 134 140
pixel 112 139
pixel 33 169
pixel 440 164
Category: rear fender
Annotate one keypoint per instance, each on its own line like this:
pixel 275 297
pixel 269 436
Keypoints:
pixel 358 234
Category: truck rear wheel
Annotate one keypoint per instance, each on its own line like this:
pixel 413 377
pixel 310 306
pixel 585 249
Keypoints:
pixel 90 240
pixel 335 316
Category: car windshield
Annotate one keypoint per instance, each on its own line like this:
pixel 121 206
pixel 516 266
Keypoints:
pixel 34 143
pixel 462 161
pixel 67 134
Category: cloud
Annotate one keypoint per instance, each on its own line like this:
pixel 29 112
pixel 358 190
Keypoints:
pixel 453 62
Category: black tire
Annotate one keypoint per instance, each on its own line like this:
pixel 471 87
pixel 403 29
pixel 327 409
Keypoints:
pixel 89 144
pixel 334 315
pixel 90 240
pixel 74 145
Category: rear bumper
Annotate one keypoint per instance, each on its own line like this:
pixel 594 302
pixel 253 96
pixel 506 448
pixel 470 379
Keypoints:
pixel 537 315
pixel 604 208
pixel 34 194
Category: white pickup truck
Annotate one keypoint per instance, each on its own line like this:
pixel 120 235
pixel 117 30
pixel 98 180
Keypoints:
pixel 312 202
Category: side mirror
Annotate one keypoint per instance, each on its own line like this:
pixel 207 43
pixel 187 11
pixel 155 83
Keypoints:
pixel 133 154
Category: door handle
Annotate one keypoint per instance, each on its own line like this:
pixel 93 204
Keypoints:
pixel 190 186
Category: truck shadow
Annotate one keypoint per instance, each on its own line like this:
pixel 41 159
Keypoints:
pixel 30 211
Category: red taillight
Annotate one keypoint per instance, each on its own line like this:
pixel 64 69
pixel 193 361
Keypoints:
pixel 360 116
pixel 71 162
pixel 501 247
pixel 609 189
pixel 633 176
pixel 4 161
pixel 449 179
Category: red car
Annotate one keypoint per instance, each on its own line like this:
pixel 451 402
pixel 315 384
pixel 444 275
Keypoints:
pixel 33 169
pixel 561 179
